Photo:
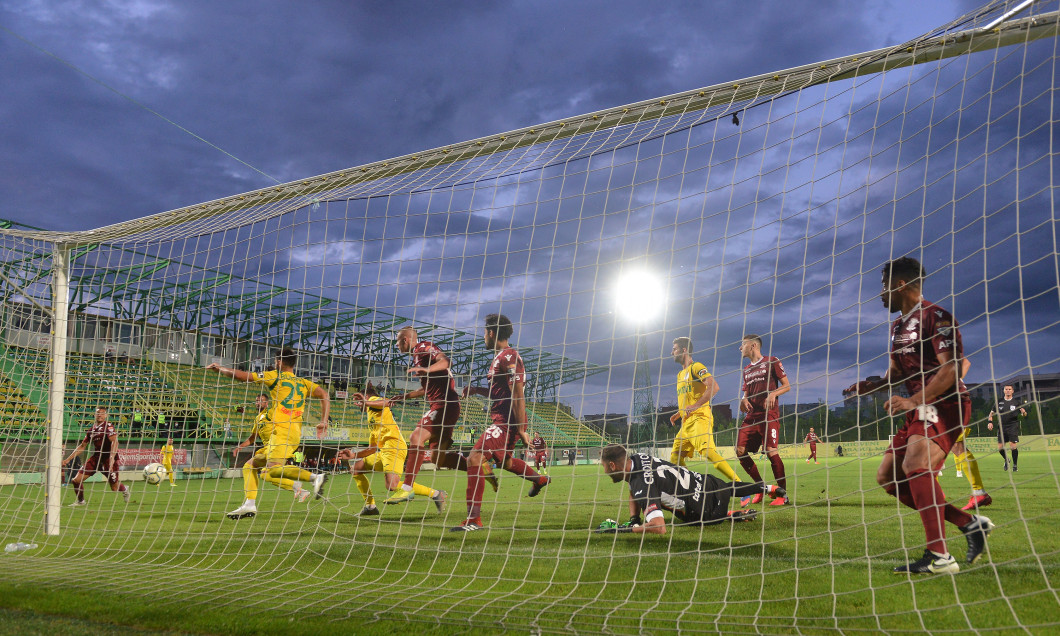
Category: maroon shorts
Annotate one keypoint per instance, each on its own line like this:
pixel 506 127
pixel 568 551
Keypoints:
pixel 95 463
pixel 497 442
pixel 753 434
pixel 941 422
pixel 440 420
pixel 541 456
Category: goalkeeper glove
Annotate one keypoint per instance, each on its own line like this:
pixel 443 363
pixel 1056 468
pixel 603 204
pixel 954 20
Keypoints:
pixel 610 526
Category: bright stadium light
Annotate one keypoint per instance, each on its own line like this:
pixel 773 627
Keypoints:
pixel 639 295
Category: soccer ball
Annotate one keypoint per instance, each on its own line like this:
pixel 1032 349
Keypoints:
pixel 154 473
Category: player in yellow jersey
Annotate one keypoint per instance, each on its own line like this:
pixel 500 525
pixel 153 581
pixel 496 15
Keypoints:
pixel 695 388
pixel 290 395
pixel 166 457
pixel 262 431
pixel 385 454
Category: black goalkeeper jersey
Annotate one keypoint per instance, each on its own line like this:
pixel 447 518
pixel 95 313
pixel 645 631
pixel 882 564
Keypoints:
pixel 692 497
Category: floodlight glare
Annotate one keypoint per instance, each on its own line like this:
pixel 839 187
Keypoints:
pixel 639 295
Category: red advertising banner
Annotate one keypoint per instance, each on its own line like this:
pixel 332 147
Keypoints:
pixel 139 457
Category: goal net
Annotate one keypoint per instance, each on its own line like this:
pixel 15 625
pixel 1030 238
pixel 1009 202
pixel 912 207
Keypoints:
pixel 765 205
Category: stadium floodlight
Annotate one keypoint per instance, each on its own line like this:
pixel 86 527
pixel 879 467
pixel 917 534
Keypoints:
pixel 639 295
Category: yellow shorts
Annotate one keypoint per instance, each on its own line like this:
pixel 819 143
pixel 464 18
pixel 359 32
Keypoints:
pixel 168 466
pixel 696 437
pixel 960 438
pixel 388 459
pixel 279 448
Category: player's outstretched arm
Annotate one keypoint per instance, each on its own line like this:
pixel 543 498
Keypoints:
pixel 235 374
pixel 411 395
pixel 74 453
pixel 655 525
pixel 474 390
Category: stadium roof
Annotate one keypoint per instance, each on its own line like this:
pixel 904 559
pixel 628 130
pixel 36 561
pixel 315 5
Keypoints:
pixel 137 286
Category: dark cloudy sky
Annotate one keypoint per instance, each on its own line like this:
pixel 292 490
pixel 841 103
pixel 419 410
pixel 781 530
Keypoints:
pixel 299 90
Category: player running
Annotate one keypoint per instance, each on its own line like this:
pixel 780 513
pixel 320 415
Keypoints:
pixel 166 457
pixel 507 377
pixel 386 453
pixel 926 352
pixel 764 380
pixel 656 485
pixel 1009 412
pixel 540 450
pixel 104 439
pixel 812 440
pixel 695 388
pixel 434 431
pixel 290 395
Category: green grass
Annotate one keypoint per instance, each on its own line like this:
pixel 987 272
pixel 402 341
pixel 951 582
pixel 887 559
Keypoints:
pixel 171 561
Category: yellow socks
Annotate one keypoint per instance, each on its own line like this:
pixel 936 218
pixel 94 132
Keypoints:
pixel 275 474
pixel 423 490
pixel 722 466
pixel 296 473
pixel 971 471
pixel 250 482
pixel 365 488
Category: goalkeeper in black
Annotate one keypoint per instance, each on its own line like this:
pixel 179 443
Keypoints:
pixel 656 485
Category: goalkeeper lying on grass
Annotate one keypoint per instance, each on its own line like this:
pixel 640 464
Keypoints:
pixel 656 485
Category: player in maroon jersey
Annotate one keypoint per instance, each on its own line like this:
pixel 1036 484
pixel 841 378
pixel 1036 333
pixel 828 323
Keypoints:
pixel 537 443
pixel 507 378
pixel 812 439
pixel 926 354
pixel 764 380
pixel 104 457
pixel 434 431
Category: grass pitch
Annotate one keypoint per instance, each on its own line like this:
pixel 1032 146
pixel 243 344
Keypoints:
pixel 171 562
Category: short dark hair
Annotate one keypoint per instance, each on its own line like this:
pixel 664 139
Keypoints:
pixel 371 392
pixel 755 338
pixel 684 343
pixel 102 408
pixel 905 268
pixel 288 357
pixel 1006 386
pixel 613 453
pixel 500 325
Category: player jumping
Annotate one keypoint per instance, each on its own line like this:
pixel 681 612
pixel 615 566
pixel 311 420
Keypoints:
pixel 434 431
pixel 290 395
pixel 104 440
pixel 926 352
pixel 508 412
